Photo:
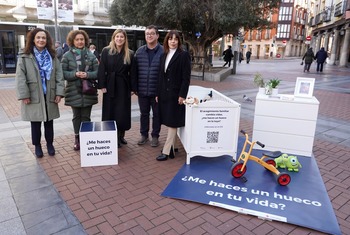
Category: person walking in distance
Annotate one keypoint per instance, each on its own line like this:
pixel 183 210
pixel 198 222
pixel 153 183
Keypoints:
pixel 79 64
pixel 240 56
pixel 39 87
pixel 59 50
pixel 308 58
pixel 248 54
pixel 144 76
pixel 320 58
pixel 114 82
pixel 174 81
pixel 227 56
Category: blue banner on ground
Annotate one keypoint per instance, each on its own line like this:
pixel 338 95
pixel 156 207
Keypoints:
pixel 303 202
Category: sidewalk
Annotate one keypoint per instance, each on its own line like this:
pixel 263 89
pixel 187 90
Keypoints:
pixel 54 195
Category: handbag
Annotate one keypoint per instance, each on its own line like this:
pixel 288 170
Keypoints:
pixel 89 87
pixel 302 63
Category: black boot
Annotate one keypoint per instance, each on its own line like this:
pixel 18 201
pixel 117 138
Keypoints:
pixel 76 143
pixel 50 149
pixel 121 135
pixel 172 153
pixel 38 151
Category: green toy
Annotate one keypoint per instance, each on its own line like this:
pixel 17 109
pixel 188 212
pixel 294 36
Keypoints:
pixel 289 162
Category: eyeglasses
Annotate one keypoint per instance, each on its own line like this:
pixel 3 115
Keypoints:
pixel 150 34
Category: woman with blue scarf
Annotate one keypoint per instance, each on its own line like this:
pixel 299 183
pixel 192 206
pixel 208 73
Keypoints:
pixel 79 64
pixel 40 87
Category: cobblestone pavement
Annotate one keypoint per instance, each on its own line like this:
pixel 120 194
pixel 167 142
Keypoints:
pixel 54 195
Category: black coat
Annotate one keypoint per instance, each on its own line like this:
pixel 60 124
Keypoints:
pixel 228 54
pixel 174 83
pixel 114 75
pixel 321 56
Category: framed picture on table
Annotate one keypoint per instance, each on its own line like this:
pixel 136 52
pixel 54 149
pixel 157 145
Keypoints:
pixel 304 87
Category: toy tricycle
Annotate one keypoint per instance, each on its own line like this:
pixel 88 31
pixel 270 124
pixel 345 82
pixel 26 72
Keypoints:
pixel 239 168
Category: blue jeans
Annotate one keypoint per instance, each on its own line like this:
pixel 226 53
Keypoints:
pixel 319 67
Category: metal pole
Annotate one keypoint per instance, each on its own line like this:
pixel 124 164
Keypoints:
pixel 56 26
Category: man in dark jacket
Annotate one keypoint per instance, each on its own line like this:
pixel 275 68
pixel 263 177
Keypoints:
pixel 248 55
pixel 320 58
pixel 227 56
pixel 144 80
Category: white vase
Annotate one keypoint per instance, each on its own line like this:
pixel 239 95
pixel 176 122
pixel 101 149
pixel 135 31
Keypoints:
pixel 262 90
pixel 274 91
pixel 268 90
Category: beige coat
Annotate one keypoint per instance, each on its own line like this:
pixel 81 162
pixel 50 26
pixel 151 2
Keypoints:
pixel 28 85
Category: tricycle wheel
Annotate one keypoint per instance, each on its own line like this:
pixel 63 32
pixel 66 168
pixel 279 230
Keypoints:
pixel 236 170
pixel 283 179
pixel 271 162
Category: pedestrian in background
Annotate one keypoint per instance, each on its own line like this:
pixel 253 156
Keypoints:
pixel 114 82
pixel 145 74
pixel 248 54
pixel 240 56
pixel 92 48
pixel 65 47
pixel 59 50
pixel 174 81
pixel 227 56
pixel 308 58
pixel 40 87
pixel 320 58
pixel 79 64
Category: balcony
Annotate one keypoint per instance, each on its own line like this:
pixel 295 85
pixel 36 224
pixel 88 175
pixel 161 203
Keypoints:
pixel 339 9
pixel 327 14
pixel 319 18
pixel 312 21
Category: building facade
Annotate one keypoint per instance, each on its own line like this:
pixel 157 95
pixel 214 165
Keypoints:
pixel 301 24
pixel 329 27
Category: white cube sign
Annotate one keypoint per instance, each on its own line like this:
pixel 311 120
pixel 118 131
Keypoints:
pixel 98 143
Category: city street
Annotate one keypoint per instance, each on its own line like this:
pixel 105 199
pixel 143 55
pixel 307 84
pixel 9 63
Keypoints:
pixel 54 195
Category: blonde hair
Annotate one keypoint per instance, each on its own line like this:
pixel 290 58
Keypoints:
pixel 125 49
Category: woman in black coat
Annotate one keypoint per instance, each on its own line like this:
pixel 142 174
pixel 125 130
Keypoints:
pixel 174 81
pixel 114 81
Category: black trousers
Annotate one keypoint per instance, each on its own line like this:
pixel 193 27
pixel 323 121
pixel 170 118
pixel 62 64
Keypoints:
pixel 36 132
pixel 146 103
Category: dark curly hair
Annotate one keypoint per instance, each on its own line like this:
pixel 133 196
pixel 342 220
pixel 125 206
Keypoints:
pixel 72 34
pixel 29 48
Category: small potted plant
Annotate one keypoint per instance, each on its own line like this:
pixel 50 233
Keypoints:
pixel 260 83
pixel 273 83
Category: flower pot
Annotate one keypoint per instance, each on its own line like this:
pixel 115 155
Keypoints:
pixel 274 91
pixel 262 90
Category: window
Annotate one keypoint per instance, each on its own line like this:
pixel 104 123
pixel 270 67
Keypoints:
pixel 285 13
pixel 283 30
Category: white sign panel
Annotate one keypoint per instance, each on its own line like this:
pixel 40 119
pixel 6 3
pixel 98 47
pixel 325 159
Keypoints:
pixel 65 11
pixel 213 128
pixel 45 10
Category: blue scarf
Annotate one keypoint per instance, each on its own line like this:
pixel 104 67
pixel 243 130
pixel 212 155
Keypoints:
pixel 44 60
